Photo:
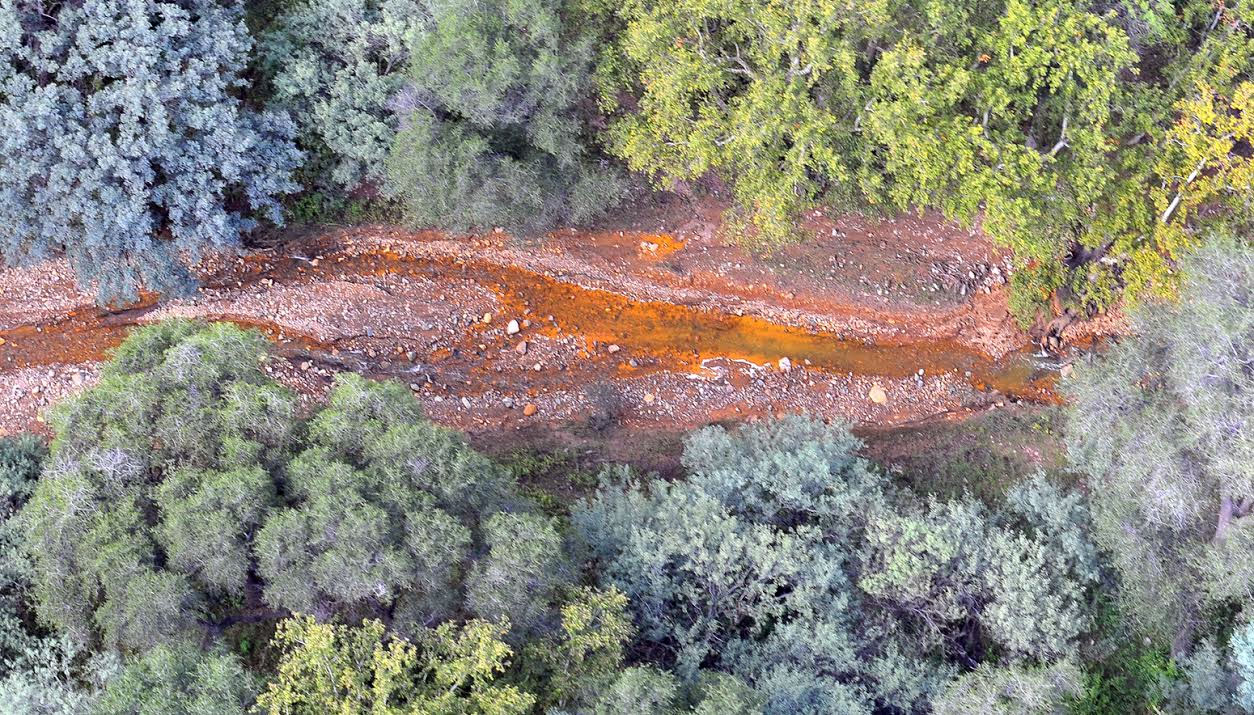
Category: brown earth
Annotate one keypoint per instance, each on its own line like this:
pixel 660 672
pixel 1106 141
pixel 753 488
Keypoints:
pixel 645 328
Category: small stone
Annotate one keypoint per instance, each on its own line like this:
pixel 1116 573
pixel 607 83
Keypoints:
pixel 530 409
pixel 1066 370
pixel 613 349
pixel 465 403
pixel 306 365
pixel 649 398
pixel 487 317
pixel 785 364
pixel 521 348
pixel 512 328
pixel 508 402
pixel 536 367
pixel 877 395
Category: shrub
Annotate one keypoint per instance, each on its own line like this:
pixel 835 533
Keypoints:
pixel 122 142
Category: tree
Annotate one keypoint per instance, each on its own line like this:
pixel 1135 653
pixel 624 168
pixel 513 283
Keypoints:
pixel 179 680
pixel 184 495
pixel 451 669
pixel 785 560
pixel 337 66
pixel 124 144
pixel 1160 423
pixel 757 91
pixel 158 480
pixel 382 509
pixel 38 671
pixel 1087 139
pixel 493 126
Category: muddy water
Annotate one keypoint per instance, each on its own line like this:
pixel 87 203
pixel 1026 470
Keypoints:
pixel 673 337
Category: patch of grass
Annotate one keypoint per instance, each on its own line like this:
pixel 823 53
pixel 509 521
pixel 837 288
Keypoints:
pixel 1130 676
pixel 982 455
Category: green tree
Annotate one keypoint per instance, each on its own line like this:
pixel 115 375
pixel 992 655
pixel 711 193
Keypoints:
pixel 758 91
pixel 332 668
pixel 142 526
pixel 381 510
pixel 185 495
pixel 1099 143
pixel 336 65
pixel 1159 424
pixel 179 680
pixel 493 120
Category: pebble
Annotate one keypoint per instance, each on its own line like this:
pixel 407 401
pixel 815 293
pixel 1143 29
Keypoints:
pixel 785 364
pixel 613 349
pixel 512 328
pixel 877 395
pixel 521 348
pixel 530 409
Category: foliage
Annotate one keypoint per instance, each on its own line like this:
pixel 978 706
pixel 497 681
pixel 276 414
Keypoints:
pixel 343 669
pixel 38 672
pixel 336 66
pixel 581 659
pixel 1012 690
pixel 787 561
pixel 1159 423
pixel 492 128
pixel 179 680
pixel 1098 142
pixel 650 691
pixel 380 508
pixel 183 495
pixel 124 143
pixel 754 90
pixel 21 459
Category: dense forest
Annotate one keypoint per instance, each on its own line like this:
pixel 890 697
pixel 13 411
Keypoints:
pixel 195 538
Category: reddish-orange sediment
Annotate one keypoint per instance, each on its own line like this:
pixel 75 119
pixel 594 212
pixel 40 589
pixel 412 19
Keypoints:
pixel 677 362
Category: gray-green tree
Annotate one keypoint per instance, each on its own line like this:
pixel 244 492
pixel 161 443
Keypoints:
pixel 493 121
pixel 1161 424
pixel 336 66
pixel 179 679
pixel 124 143
pixel 789 562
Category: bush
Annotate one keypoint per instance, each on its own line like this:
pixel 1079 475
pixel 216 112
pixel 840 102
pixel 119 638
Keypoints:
pixel 493 128
pixel 122 142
